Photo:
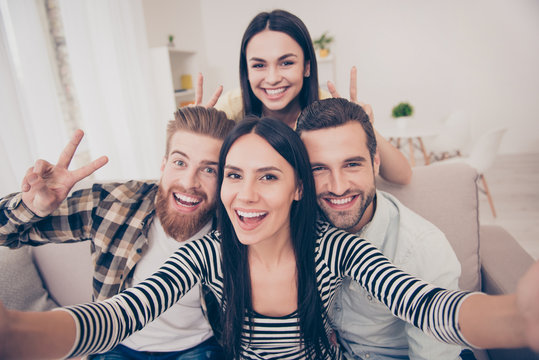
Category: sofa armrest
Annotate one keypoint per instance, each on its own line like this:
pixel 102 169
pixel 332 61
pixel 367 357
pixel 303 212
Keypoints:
pixel 503 260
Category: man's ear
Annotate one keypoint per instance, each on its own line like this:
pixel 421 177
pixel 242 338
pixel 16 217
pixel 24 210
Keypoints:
pixel 376 163
pixel 299 192
pixel 163 164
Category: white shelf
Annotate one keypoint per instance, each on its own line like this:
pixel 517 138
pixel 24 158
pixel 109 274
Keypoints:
pixel 188 94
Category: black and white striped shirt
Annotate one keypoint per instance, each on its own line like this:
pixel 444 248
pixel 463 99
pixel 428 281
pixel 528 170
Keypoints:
pixel 102 325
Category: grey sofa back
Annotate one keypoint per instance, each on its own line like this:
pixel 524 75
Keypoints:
pixel 446 195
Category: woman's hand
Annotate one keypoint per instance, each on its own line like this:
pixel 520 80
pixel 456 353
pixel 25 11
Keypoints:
pixel 394 166
pixel 528 304
pixel 353 93
pixel 199 92
pixel 46 185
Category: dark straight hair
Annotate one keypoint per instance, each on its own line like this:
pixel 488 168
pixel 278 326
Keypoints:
pixel 334 112
pixel 285 22
pixel 236 275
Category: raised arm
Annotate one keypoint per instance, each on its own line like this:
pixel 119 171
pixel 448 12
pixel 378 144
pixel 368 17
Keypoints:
pixel 72 330
pixel 26 217
pixel 393 164
pixel 455 317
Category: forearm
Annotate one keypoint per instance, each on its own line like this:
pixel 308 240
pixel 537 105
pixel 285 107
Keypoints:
pixel 20 226
pixel 31 335
pixel 488 321
pixel 394 166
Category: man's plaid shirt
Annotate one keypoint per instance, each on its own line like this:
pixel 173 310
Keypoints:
pixel 115 216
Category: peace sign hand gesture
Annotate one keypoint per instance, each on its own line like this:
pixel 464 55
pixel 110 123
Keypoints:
pixel 353 93
pixel 46 185
pixel 200 92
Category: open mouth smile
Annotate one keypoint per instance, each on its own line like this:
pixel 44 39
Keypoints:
pixel 342 202
pixel 249 220
pixel 275 93
pixel 186 202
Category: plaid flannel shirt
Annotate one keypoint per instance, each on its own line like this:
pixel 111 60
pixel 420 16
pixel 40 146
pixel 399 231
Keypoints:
pixel 116 217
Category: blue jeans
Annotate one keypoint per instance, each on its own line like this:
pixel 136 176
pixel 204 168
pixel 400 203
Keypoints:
pixel 208 350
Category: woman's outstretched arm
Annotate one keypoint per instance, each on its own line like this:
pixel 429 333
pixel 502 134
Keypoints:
pixel 504 320
pixel 23 335
pixel 99 326
pixel 456 317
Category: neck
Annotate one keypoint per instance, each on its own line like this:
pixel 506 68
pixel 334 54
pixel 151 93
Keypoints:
pixel 271 254
pixel 289 115
pixel 366 218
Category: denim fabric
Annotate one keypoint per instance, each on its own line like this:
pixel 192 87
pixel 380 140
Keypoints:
pixel 208 350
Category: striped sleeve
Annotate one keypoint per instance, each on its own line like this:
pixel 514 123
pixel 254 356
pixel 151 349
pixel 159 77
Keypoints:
pixel 431 309
pixel 102 325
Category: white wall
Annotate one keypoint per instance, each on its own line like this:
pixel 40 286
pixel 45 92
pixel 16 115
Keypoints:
pixel 479 56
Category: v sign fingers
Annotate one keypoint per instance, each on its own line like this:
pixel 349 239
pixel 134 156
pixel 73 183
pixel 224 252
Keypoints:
pixel 333 90
pixel 353 84
pixel 46 185
pixel 215 97
pixel 199 91
pixel 69 151
pixel 89 169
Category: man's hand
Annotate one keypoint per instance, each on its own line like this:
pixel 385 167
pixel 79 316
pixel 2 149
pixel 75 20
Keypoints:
pixel 46 185
pixel 528 304
pixel 353 93
pixel 200 92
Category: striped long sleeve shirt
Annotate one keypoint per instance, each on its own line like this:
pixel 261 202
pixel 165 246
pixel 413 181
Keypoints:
pixel 338 254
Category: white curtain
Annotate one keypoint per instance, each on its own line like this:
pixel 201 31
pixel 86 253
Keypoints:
pixel 111 73
pixel 30 114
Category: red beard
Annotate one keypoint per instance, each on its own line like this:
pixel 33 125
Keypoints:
pixel 177 225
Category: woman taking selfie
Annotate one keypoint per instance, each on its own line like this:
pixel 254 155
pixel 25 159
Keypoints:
pixel 274 269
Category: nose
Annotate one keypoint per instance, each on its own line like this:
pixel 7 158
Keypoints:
pixel 337 183
pixel 273 75
pixel 247 192
pixel 189 179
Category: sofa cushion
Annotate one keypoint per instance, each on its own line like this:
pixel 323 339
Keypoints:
pixel 446 195
pixel 21 284
pixel 67 271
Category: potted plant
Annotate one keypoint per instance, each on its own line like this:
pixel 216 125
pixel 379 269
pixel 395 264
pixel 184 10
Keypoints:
pixel 401 112
pixel 322 44
pixel 171 40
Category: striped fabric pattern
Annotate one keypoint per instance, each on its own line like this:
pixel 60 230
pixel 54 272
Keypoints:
pixel 338 254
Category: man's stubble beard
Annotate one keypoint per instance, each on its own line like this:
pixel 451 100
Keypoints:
pixel 180 226
pixel 347 219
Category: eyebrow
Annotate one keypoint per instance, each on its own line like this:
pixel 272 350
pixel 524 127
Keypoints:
pixel 280 57
pixel 351 159
pixel 356 158
pixel 259 170
pixel 203 162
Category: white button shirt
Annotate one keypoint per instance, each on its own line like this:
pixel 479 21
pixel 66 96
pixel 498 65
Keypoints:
pixel 366 328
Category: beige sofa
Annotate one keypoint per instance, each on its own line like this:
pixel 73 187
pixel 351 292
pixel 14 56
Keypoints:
pixel 492 261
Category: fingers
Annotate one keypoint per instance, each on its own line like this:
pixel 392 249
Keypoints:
pixel 25 187
pixel 333 90
pixel 69 151
pixel 215 97
pixel 368 110
pixel 89 169
pixel 199 92
pixel 353 84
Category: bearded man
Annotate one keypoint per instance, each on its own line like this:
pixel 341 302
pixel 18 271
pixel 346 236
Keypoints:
pixel 134 226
